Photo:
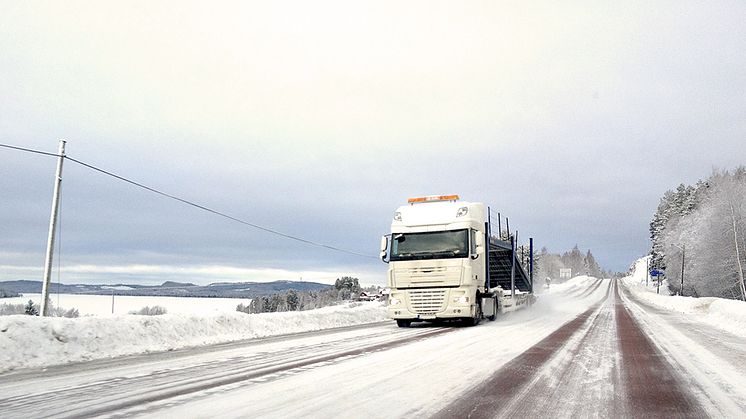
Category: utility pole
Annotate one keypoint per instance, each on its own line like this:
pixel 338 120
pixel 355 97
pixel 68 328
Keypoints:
pixel 531 261
pixel 683 259
pixel 52 229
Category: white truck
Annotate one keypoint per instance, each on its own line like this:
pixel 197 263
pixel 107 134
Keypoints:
pixel 445 264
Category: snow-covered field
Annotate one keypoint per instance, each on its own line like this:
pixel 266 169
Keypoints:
pixel 720 313
pixel 29 341
pixel 101 305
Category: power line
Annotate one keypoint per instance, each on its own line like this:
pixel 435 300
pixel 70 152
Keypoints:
pixel 28 150
pixel 193 204
pixel 210 210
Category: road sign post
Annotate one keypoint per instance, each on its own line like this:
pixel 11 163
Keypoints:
pixel 657 273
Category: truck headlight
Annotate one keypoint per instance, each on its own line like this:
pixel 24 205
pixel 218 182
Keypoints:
pixel 461 300
pixel 393 301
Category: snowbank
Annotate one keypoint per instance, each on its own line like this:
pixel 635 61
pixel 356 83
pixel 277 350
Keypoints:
pixel 720 313
pixel 29 341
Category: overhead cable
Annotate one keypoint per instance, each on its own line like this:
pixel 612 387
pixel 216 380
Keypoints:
pixel 193 204
pixel 212 211
pixel 28 150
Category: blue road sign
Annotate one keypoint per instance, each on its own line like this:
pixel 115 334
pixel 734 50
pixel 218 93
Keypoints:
pixel 656 272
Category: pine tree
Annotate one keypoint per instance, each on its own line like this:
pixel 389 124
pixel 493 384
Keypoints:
pixel 292 300
pixel 31 309
pixel 592 265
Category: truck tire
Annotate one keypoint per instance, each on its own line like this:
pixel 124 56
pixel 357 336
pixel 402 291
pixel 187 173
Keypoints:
pixel 404 323
pixel 473 321
pixel 493 317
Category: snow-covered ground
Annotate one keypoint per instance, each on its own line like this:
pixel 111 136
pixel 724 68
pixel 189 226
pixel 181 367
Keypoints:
pixel 30 341
pixel 101 305
pixel 720 313
pixel 377 370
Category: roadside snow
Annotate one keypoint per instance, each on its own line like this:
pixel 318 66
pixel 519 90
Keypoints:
pixel 720 313
pixel 106 305
pixel 30 341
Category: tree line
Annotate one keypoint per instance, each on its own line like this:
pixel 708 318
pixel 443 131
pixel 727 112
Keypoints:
pixel 703 226
pixel 548 265
pixel 344 289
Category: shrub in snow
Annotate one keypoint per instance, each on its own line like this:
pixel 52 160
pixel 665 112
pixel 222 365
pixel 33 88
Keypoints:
pixel 31 309
pixel 10 309
pixel 61 312
pixel 150 311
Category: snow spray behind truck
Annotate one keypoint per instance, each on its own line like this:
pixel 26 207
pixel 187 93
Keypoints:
pixel 445 263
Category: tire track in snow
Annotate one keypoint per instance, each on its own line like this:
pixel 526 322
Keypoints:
pixel 599 364
pixel 591 289
pixel 577 290
pixel 509 382
pixel 652 386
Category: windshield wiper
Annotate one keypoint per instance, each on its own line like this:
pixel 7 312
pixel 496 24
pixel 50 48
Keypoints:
pixel 429 254
pixel 452 252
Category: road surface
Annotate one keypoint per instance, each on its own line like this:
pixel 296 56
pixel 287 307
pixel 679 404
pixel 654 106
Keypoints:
pixel 588 351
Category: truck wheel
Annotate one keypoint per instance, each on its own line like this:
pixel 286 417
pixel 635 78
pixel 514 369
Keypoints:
pixel 404 323
pixel 473 321
pixel 493 317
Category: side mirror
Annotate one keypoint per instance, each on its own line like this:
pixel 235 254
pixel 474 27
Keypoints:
pixel 479 245
pixel 384 248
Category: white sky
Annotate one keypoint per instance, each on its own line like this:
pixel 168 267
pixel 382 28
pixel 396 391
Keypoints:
pixel 319 118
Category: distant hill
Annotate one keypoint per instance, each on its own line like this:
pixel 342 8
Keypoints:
pixel 170 288
pixel 172 284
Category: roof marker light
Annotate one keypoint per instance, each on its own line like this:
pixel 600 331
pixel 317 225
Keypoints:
pixel 433 198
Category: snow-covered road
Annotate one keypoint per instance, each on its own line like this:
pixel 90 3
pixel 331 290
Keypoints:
pixel 588 348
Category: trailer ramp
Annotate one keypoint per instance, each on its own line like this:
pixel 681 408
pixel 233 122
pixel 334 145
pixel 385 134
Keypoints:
pixel 501 258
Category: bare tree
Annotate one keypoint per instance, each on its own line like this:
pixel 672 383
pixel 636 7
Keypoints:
pixel 711 228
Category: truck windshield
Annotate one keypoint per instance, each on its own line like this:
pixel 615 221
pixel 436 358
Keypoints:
pixel 434 245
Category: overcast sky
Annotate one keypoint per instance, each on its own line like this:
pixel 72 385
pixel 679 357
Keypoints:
pixel 318 119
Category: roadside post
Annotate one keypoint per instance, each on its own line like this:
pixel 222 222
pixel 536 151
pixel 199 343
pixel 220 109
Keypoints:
pixel 657 273
pixel 52 228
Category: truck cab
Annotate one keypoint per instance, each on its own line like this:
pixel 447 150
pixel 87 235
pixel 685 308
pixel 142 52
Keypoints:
pixel 436 258
pixel 444 263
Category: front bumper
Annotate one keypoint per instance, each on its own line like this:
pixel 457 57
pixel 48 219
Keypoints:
pixel 432 304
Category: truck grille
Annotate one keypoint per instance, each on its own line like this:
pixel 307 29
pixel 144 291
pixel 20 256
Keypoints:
pixel 427 301
pixel 430 270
